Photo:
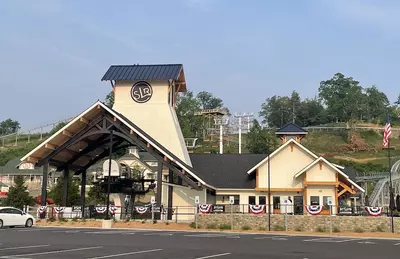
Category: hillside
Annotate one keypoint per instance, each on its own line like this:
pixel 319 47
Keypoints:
pixel 363 149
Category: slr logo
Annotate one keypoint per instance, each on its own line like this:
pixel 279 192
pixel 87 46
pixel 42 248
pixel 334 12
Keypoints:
pixel 141 92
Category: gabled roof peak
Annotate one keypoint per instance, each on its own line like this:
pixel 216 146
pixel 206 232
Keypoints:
pixel 291 128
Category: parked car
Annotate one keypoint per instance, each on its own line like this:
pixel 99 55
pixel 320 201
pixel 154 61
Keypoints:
pixel 12 217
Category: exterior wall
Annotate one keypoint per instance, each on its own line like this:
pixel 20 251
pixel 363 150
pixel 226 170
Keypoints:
pixel 321 174
pixel 156 117
pixel 284 165
pixel 184 198
pixel 302 223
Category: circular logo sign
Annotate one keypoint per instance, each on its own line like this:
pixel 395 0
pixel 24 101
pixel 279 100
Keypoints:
pixel 141 92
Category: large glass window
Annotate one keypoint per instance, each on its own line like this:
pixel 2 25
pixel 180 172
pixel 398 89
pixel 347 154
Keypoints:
pixel 252 200
pixel 262 200
pixel 276 200
pixel 325 201
pixel 314 200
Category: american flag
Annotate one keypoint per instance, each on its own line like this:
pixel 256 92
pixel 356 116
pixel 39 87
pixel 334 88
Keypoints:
pixel 387 133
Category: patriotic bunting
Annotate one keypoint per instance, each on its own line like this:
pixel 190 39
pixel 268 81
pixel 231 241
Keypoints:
pixel 42 209
pixel 141 210
pixel 59 210
pixel 101 209
pixel 205 208
pixel 256 209
pixel 314 209
pixel 374 211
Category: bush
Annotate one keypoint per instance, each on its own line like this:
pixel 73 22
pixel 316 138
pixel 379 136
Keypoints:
pixel 52 219
pixel 278 228
pixel 212 226
pixel 262 228
pixel 83 219
pixel 62 220
pixel 380 228
pixel 358 230
pixel 336 229
pixel 320 229
pixel 299 228
pixel 192 225
pixel 225 227
pixel 246 228
pixel 74 219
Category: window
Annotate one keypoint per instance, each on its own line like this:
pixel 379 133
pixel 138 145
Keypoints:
pixel 15 211
pixel 325 201
pixel 262 200
pixel 236 200
pixel 252 200
pixel 276 200
pixel 314 200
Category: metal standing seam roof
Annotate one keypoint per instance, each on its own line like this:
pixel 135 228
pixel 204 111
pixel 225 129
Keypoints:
pixel 291 128
pixel 143 72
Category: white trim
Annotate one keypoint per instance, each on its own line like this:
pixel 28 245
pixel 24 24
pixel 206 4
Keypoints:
pixel 234 189
pixel 58 132
pixel 279 149
pixel 338 166
pixel 333 167
pixel 126 124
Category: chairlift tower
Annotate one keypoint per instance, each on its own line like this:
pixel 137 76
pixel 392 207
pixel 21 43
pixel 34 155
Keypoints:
pixel 243 118
pixel 209 118
pixel 221 122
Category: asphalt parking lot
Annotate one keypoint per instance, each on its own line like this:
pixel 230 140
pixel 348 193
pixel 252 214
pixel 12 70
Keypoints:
pixel 98 243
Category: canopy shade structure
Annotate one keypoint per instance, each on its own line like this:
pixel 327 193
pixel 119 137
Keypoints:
pixel 85 140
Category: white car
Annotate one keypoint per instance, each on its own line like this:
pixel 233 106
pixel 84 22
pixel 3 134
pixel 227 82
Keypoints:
pixel 12 217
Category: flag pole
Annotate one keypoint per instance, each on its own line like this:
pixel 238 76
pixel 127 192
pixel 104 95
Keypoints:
pixel 391 198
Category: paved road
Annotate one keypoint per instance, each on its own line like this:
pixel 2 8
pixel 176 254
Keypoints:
pixel 97 243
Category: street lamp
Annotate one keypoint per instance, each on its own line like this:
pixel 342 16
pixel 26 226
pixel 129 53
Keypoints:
pixel 109 176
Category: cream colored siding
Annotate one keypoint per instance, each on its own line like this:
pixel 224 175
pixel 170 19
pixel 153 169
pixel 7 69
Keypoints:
pixel 326 174
pixel 284 165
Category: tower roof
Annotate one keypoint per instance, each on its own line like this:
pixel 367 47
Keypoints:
pixel 291 129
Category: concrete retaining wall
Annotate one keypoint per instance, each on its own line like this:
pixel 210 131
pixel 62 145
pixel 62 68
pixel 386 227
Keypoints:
pixel 301 223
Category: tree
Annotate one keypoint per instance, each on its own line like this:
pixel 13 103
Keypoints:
pixel 397 102
pixel 186 106
pixel 343 97
pixel 18 195
pixel 109 101
pixel 311 113
pixel 208 101
pixel 57 192
pixel 9 126
pixel 260 141
pixel 377 102
pixel 96 195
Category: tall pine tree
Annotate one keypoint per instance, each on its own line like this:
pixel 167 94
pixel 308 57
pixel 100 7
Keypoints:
pixel 18 195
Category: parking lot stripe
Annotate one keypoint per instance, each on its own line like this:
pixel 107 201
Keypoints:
pixel 158 234
pixel 131 253
pixel 269 237
pixel 212 256
pixel 348 240
pixel 56 251
pixel 398 244
pixel 21 247
pixel 206 235
pixel 317 239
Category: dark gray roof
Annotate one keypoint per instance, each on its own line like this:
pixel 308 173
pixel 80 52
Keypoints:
pixel 350 172
pixel 143 72
pixel 147 157
pixel 227 170
pixel 291 128
pixel 10 168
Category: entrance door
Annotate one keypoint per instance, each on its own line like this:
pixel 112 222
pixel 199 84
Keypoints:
pixel 276 203
pixel 298 205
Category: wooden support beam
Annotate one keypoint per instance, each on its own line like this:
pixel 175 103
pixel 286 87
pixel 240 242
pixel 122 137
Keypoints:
pixel 32 159
pixel 321 183
pixel 291 146
pixel 131 132
pixel 341 192
pixel 98 106
pixel 84 120
pixel 320 165
pixel 50 146
pixel 280 189
pixel 115 118
pixel 67 133
pixel 347 188
pixel 165 158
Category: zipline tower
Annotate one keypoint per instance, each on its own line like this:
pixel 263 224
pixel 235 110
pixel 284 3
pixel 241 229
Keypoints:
pixel 210 116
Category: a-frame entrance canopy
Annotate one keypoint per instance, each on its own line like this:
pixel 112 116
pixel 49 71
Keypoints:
pixel 85 140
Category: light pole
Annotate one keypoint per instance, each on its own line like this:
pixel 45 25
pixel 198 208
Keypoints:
pixel 269 193
pixel 109 176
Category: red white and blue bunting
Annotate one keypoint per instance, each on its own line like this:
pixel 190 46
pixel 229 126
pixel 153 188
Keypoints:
pixel 205 208
pixel 374 211
pixel 113 209
pixel 256 209
pixel 314 209
pixel 141 210
pixel 101 209
pixel 42 209
pixel 59 210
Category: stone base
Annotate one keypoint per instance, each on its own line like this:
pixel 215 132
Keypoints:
pixel 107 223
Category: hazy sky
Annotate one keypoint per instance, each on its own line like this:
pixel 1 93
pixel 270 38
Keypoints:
pixel 53 54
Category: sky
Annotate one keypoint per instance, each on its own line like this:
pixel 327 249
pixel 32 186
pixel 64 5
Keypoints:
pixel 54 53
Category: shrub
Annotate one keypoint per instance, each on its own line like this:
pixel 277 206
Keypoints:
pixel 358 230
pixel 74 219
pixel 52 219
pixel 262 228
pixel 299 228
pixel 336 229
pixel 192 225
pixel 224 227
pixel 278 228
pixel 246 228
pixel 62 220
pixel 212 226
pixel 320 229
pixel 83 219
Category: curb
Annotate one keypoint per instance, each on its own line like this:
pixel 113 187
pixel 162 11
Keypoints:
pixel 229 232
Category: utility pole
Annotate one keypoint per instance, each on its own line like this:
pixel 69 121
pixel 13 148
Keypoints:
pixel 240 117
pixel 221 122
